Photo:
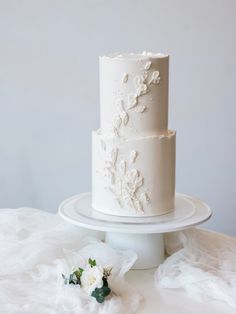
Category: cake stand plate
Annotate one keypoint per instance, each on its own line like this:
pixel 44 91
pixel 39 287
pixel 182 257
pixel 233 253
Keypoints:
pixel 141 234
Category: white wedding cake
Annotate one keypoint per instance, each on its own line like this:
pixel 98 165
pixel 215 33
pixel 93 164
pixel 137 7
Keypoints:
pixel 133 153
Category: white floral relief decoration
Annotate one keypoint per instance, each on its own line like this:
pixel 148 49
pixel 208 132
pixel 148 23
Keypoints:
pixel 141 83
pixel 125 78
pixel 125 182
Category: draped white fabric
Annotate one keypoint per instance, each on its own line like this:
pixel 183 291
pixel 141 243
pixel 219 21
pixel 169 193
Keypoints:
pixel 36 248
pixel 201 262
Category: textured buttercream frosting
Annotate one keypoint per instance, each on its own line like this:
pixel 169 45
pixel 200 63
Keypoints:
pixel 131 55
pixel 133 151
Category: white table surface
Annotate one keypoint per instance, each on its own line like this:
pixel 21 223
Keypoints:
pixel 170 301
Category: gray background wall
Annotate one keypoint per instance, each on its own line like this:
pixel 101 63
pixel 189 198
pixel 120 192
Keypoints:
pixel 49 93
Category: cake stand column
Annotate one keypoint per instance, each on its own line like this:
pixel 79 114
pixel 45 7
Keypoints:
pixel 149 247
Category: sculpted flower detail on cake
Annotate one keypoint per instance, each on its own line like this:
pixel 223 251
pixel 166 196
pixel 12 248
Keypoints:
pixel 124 181
pixel 141 83
pixel 120 119
pixel 131 184
pixel 147 65
pixel 155 78
pixel 133 156
pixel 125 78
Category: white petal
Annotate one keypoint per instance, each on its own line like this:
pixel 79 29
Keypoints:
pixel 147 65
pixel 125 78
pixel 115 131
pixel 139 182
pixel 133 156
pixel 133 173
pixel 155 78
pixel 91 279
pixel 138 206
pixel 114 154
pixel 138 79
pixel 142 89
pixel 132 101
pixel 145 75
pixel 141 109
pixel 125 117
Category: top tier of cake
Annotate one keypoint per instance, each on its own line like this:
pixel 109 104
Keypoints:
pixel 131 85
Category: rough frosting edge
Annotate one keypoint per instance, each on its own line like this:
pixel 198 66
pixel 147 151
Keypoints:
pixel 135 56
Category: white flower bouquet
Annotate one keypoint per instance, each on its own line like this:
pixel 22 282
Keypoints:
pixel 93 280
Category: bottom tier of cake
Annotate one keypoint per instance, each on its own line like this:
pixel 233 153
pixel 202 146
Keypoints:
pixel 134 177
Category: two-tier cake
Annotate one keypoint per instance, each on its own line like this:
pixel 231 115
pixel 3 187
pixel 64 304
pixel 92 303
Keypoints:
pixel 133 153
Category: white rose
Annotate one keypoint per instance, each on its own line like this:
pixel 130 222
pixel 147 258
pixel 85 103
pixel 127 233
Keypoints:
pixel 91 279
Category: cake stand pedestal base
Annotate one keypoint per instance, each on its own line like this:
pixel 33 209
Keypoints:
pixel 149 247
pixel 144 235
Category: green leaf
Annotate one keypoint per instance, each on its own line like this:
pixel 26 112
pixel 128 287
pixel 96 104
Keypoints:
pixel 98 295
pixel 71 279
pixel 92 262
pixel 100 299
pixel 74 278
pixel 66 280
pixel 106 291
pixel 77 274
pixel 101 293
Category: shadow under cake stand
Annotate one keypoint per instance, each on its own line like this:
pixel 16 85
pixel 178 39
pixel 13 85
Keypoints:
pixel 144 235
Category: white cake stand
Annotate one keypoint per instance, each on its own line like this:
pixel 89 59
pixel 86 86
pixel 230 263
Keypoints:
pixel 144 235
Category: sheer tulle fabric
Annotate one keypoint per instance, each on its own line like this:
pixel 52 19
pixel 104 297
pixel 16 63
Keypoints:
pixel 36 248
pixel 201 262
